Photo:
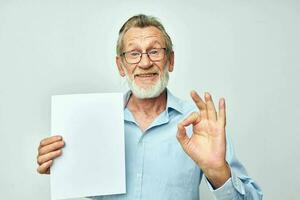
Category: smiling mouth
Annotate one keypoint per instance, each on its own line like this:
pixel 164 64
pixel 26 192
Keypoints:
pixel 146 75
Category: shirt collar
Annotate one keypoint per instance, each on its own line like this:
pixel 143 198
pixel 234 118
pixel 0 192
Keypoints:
pixel 173 102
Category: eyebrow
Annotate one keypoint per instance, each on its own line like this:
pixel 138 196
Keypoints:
pixel 151 44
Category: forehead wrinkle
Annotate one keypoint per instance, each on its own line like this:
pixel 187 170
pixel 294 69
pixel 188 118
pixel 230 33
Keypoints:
pixel 142 39
pixel 143 36
pixel 140 36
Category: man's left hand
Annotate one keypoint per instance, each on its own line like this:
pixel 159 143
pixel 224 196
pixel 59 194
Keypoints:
pixel 207 144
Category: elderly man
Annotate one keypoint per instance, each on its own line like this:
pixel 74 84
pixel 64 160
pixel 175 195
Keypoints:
pixel 166 158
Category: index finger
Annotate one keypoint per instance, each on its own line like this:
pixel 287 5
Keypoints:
pixel 200 104
pixel 50 140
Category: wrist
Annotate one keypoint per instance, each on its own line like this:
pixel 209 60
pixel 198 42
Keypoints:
pixel 218 176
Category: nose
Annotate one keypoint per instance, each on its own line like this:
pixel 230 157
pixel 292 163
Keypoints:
pixel 145 61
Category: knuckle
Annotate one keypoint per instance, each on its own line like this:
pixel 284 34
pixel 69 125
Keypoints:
pixel 39 160
pixel 40 151
pixel 43 142
pixel 194 114
pixel 40 170
pixel 37 157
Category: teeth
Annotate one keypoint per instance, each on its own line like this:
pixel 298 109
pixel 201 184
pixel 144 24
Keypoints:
pixel 147 75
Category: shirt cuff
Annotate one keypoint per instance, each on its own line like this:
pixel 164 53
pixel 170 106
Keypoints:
pixel 232 188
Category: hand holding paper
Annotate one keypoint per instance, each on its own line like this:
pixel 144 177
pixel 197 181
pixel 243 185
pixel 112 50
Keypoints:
pixel 93 160
pixel 49 149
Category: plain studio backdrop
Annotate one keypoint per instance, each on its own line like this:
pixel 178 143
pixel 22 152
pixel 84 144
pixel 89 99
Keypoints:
pixel 246 51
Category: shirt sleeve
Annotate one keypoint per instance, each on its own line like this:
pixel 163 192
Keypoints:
pixel 240 186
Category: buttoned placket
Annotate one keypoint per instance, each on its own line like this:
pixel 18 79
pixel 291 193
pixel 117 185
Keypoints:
pixel 140 154
pixel 139 157
pixel 140 167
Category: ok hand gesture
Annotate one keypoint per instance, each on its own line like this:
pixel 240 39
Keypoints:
pixel 207 144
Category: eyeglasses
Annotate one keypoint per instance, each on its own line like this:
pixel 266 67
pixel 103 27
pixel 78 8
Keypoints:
pixel 134 57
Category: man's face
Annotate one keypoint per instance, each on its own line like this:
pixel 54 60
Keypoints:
pixel 146 79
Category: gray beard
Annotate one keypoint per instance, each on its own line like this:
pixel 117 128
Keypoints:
pixel 153 91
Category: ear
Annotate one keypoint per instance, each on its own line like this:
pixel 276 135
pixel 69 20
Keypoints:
pixel 171 62
pixel 120 66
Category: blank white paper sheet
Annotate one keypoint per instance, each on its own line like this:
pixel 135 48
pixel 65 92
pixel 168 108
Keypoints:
pixel 93 159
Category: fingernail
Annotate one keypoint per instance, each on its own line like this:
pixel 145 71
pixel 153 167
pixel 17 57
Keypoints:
pixel 222 102
pixel 207 95
pixel 192 93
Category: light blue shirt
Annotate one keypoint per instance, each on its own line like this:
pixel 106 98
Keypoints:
pixel 157 168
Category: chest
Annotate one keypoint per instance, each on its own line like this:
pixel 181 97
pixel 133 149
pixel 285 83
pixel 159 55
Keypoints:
pixel 156 162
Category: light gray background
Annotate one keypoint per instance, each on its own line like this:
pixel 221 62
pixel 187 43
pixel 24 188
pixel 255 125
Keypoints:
pixel 246 51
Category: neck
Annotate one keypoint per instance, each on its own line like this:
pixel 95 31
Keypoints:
pixel 148 106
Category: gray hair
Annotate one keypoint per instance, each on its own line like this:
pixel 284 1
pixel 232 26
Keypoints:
pixel 142 21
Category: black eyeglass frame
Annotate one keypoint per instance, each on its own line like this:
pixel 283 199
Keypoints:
pixel 164 48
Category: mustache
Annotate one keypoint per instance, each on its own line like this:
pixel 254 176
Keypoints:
pixel 145 72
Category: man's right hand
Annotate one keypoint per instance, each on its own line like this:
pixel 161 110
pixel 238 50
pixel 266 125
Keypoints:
pixel 49 149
